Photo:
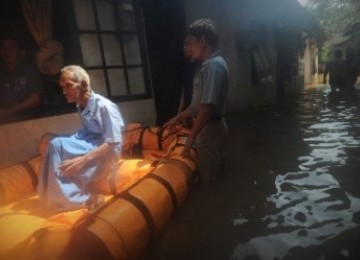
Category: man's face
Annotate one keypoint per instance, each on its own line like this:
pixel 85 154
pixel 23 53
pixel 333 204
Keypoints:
pixel 193 48
pixel 70 88
pixel 10 51
pixel 187 51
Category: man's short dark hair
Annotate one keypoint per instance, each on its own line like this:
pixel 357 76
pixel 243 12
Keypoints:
pixel 204 28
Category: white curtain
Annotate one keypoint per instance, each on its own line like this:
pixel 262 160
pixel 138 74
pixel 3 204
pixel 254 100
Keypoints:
pixel 38 16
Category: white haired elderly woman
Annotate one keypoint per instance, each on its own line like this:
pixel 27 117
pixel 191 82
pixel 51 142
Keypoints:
pixel 71 162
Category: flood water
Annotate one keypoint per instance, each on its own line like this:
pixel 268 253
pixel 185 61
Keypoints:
pixel 290 190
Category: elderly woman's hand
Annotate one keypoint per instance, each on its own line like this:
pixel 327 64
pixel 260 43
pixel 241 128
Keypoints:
pixel 72 166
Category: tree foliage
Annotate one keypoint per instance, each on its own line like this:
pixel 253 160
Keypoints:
pixel 335 15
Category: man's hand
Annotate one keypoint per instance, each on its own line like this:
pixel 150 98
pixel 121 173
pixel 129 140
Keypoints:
pixel 187 147
pixel 173 124
pixel 71 167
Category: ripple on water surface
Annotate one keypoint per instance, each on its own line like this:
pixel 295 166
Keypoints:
pixel 314 205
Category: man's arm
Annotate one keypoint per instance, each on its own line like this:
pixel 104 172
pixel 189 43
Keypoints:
pixel 203 116
pixel 72 166
pixel 33 100
pixel 173 122
pixel 181 102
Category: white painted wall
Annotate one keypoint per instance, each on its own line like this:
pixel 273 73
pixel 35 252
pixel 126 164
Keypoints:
pixel 309 61
pixel 19 141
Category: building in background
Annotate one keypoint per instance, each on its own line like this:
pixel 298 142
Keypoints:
pixel 133 52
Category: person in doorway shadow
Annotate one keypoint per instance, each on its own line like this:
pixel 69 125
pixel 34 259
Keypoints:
pixel 336 69
pixel 20 84
pixel 352 68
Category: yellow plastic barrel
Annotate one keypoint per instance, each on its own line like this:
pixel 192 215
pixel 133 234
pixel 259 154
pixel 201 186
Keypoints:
pixel 27 236
pixel 123 227
pixel 19 180
pixel 138 139
pixel 125 174
pixel 146 193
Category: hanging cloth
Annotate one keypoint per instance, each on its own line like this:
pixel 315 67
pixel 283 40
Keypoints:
pixel 38 16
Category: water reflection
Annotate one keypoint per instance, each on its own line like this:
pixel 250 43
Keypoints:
pixel 313 204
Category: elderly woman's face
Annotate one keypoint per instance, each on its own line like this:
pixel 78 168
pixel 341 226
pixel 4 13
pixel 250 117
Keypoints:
pixel 70 88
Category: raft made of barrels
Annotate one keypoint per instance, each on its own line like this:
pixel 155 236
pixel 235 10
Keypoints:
pixel 141 195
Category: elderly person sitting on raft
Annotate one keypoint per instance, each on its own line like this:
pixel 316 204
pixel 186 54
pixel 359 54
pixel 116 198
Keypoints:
pixel 72 162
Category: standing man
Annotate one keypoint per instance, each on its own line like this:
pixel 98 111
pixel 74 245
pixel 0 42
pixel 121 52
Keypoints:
pixel 337 71
pixel 20 84
pixel 72 162
pixel 209 131
pixel 352 68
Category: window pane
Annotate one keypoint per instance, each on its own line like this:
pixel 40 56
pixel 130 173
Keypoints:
pixel 106 14
pixel 98 83
pixel 90 49
pixel 127 16
pixel 84 14
pixel 112 49
pixel 136 81
pixel 117 82
pixel 132 50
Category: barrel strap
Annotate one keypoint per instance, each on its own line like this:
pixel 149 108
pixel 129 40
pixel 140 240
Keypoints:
pixel 190 179
pixel 141 137
pixel 32 174
pixel 159 136
pixel 144 211
pixel 84 244
pixel 137 203
pixel 183 145
pixel 138 147
pixel 167 186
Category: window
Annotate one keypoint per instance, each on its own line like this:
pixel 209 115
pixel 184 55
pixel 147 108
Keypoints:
pixel 112 47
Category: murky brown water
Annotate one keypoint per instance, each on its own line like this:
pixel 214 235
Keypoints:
pixel 291 189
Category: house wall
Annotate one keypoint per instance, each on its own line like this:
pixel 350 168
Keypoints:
pixel 234 29
pixel 352 42
pixel 315 64
pixel 19 141
pixel 309 62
